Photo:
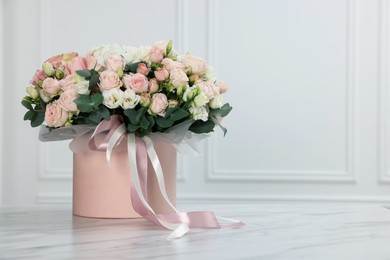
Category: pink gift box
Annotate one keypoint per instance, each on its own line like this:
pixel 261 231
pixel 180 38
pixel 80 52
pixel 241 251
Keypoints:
pixel 103 191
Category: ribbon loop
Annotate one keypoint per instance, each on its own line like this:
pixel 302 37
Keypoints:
pixel 139 149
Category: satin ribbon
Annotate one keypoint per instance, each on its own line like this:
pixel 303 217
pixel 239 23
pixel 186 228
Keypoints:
pixel 139 149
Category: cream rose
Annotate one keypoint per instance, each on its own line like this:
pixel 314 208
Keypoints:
pixel 161 74
pixel 67 83
pixel 66 100
pixel 178 78
pixel 51 86
pixel 216 102
pixel 114 62
pixel 55 116
pixel 194 65
pixel 158 104
pixel 109 80
pixel 137 82
pixel 207 87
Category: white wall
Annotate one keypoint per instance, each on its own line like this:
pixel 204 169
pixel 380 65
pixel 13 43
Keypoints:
pixel 308 83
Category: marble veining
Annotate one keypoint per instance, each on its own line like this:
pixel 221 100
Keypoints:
pixel 272 231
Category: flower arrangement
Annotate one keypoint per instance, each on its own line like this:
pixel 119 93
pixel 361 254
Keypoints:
pixel 151 88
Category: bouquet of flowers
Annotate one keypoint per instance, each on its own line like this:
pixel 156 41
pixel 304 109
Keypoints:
pixel 151 88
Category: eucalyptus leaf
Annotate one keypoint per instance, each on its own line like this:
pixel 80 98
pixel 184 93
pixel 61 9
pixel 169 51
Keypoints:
pixel 27 104
pixel 132 115
pixel 29 114
pixel 163 123
pixel 37 119
pixel 200 127
pixel 84 73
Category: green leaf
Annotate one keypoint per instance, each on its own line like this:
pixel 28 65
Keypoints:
pixel 200 127
pixel 29 114
pixel 132 115
pixel 104 112
pixel 37 119
pixel 97 99
pixel 84 73
pixel 132 128
pixel 84 103
pixel 140 114
pixel 162 122
pixel 224 130
pixel 177 114
pixel 131 67
pixel 223 111
pixel 94 80
pixel 144 123
pixel 27 104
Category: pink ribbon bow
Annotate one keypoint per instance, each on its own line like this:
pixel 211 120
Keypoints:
pixel 138 151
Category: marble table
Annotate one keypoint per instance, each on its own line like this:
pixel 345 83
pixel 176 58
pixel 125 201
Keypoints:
pixel 272 231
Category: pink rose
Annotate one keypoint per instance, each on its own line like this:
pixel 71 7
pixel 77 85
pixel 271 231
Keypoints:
pixel 194 65
pixel 39 75
pixel 78 63
pixel 55 116
pixel 157 51
pixel 223 87
pixel 68 82
pixel 109 80
pixel 207 87
pixel 58 60
pixel 91 62
pixel 170 64
pixel 114 62
pixel 137 82
pixel 161 74
pixel 66 100
pixel 158 104
pixel 178 78
pixel 143 69
pixel 153 86
pixel 51 86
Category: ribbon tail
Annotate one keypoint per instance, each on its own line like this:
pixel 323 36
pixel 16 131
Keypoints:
pixel 140 204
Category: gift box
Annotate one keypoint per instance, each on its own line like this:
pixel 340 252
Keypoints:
pixel 102 189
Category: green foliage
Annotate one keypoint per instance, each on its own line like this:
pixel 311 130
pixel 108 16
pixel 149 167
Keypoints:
pixel 35 111
pixel 87 103
pixel 131 67
pixel 200 127
pixel 222 112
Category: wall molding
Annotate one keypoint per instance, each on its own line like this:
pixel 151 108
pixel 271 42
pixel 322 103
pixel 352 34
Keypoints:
pixel 215 174
pixel 383 91
pixel 1 98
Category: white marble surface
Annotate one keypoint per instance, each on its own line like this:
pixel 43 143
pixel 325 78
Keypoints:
pixel 272 231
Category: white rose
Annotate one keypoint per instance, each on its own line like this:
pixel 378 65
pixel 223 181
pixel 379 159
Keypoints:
pixel 130 99
pixel 200 100
pixel 82 88
pixel 199 113
pixel 112 98
pixel 216 102
pixel 134 54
